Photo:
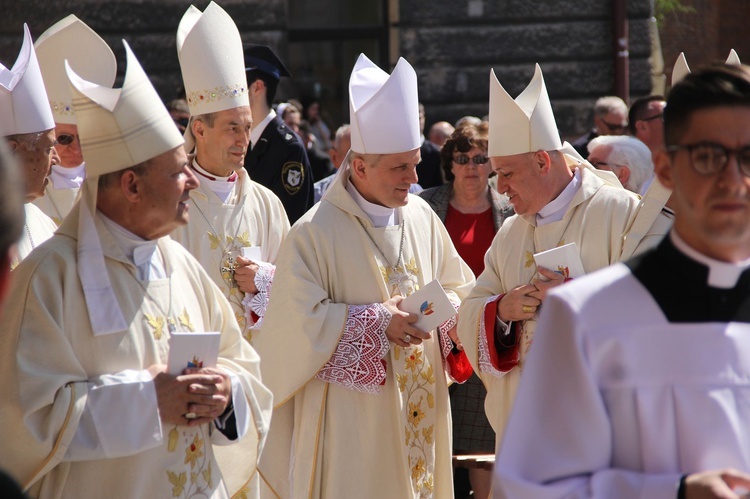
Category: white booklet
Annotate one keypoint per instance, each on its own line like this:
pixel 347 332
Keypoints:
pixel 253 253
pixel 564 259
pixel 192 350
pixel 431 304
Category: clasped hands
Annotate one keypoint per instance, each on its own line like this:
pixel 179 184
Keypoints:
pixel 193 398
pixel 401 331
pixel 521 303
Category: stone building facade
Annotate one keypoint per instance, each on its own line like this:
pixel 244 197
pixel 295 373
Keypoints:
pixel 451 43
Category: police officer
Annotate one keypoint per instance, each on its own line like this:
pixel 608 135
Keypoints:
pixel 277 158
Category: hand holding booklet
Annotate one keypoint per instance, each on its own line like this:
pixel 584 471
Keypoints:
pixel 192 350
pixel 565 260
pixel 431 304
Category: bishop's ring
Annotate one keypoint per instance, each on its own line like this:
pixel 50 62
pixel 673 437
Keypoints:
pixel 407 338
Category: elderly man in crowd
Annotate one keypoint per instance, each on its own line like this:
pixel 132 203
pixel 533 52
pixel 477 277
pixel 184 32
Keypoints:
pixel 628 158
pixel 610 118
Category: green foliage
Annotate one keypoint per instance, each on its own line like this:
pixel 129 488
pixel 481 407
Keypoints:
pixel 662 8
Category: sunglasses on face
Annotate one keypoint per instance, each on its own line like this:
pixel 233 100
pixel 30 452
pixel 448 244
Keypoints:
pixel 615 127
pixel 463 159
pixel 65 139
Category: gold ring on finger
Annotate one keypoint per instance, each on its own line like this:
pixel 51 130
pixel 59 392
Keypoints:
pixel 527 309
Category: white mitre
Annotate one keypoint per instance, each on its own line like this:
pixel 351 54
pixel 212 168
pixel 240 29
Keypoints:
pixel 23 99
pixel 118 128
pixel 383 109
pixel 526 124
pixel 681 68
pixel 212 61
pixel 86 52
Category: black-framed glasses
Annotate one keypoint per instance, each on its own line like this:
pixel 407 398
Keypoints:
pixel 65 139
pixel 463 159
pixel 708 158
pixel 615 127
pixel 656 116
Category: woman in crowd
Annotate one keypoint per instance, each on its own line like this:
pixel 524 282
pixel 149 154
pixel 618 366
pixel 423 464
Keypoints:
pixel 472 213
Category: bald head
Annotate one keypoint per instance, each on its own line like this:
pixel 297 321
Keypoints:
pixel 440 132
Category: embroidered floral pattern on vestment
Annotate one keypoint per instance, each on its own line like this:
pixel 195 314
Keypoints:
pixel 216 93
pixel 357 361
pixel 197 479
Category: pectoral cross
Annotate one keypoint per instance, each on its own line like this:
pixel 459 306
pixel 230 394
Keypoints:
pixel 227 270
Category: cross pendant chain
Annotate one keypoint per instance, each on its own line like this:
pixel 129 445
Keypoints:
pixel 228 269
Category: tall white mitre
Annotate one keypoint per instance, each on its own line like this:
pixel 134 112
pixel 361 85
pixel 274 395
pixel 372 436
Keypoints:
pixel 383 109
pixel 212 62
pixel 526 124
pixel 23 98
pixel 118 128
pixel 88 55
pixel 681 68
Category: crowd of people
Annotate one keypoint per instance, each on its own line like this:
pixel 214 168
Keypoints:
pixel 592 307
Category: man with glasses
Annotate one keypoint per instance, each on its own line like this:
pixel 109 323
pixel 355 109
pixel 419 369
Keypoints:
pixel 610 118
pixel 645 121
pixel 626 157
pixel 72 40
pixel 645 363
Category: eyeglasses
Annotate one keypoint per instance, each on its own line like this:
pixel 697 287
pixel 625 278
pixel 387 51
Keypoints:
pixel 708 158
pixel 65 139
pixel 463 159
pixel 601 164
pixel 615 127
pixel 656 116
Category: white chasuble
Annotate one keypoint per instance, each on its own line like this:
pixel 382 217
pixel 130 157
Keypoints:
pixel 217 232
pixel 38 228
pixel 329 440
pixel 595 220
pixel 56 203
pixel 56 359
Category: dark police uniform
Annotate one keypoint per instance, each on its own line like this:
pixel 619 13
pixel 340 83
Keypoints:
pixel 279 161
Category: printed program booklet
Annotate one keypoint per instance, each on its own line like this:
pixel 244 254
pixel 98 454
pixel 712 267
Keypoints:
pixel 192 350
pixel 431 304
pixel 564 259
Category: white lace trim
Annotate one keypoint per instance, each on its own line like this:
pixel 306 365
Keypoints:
pixel 357 363
pixel 446 344
pixel 257 303
pixel 484 361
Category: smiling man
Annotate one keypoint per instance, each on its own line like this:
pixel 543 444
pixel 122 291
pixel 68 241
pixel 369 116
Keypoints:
pixel 352 375
pixel 558 199
pixel 231 211
pixel 644 365
pixel 88 405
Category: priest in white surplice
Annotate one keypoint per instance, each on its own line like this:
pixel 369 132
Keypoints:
pixel 638 385
pixel 27 124
pixel 88 408
pixel 231 211
pixel 558 199
pixel 90 57
pixel 363 395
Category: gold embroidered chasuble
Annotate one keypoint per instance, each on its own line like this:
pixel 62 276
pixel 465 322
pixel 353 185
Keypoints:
pixel 50 351
pixel 56 203
pixel 251 216
pixel 39 227
pixel 595 220
pixel 341 442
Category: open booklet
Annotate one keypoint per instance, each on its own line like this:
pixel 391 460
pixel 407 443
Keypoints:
pixel 431 304
pixel 192 350
pixel 564 259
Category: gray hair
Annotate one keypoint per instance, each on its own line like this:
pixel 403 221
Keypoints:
pixel 608 104
pixel 340 133
pixel 29 140
pixel 630 152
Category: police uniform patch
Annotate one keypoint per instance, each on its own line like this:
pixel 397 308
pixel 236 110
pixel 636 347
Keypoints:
pixel 292 175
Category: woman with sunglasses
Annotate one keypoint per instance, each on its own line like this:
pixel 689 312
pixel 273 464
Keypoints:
pixel 472 213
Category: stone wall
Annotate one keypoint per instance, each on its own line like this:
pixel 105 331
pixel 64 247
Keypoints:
pixel 451 43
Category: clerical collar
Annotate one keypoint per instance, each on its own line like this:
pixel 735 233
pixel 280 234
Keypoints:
pixel 554 211
pixel 143 253
pixel 221 186
pixel 67 178
pixel 380 216
pixel 258 130
pixel 720 274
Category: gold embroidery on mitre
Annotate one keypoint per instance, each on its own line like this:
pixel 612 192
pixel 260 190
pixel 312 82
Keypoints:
pixel 216 93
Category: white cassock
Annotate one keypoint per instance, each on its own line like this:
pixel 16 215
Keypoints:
pixel 218 229
pixel 355 415
pixel 80 418
pixel 39 227
pixel 640 374
pixel 595 218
